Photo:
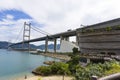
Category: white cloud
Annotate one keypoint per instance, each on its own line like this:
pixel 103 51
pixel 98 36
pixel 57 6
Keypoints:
pixel 61 15
pixel 9 16
pixel 10 29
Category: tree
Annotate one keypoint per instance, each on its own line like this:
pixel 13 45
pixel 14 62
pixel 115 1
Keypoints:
pixel 75 50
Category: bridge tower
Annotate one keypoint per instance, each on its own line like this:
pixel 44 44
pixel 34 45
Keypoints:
pixel 26 35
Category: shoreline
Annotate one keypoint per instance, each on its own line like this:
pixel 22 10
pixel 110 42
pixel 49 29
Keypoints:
pixel 53 77
pixel 61 56
pixel 57 56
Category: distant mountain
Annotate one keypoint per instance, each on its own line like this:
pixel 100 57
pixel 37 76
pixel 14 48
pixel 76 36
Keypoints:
pixel 4 45
pixel 50 46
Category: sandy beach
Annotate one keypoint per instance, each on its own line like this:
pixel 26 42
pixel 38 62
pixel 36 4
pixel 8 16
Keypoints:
pixel 47 78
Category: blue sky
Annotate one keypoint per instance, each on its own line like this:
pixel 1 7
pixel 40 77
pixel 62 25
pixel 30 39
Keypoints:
pixel 53 16
pixel 15 13
pixel 9 19
pixel 12 15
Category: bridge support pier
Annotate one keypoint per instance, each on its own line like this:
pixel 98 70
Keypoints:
pixel 66 38
pixel 46 45
pixel 55 45
pixel 77 40
pixel 63 38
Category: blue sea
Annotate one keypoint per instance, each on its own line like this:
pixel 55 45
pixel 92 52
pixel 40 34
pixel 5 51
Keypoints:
pixel 15 64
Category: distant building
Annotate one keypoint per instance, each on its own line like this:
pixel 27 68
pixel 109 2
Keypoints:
pixel 100 38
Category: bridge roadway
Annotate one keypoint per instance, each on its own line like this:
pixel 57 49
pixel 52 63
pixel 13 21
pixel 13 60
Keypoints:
pixel 50 37
pixel 62 36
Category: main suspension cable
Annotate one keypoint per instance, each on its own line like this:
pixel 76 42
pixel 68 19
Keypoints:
pixel 43 32
pixel 39 31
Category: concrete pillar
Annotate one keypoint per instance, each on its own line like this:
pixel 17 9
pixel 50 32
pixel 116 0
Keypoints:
pixel 55 45
pixel 61 38
pixel 77 41
pixel 66 38
pixel 46 45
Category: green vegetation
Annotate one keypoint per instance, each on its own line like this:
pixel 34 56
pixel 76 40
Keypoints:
pixel 115 68
pixel 73 64
pixel 80 72
pixel 108 28
pixel 118 28
pixel 83 31
pixel 107 68
pixel 56 68
pixel 91 30
pixel 60 68
pixel 43 70
pixel 75 50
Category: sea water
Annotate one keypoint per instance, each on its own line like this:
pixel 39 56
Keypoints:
pixel 15 64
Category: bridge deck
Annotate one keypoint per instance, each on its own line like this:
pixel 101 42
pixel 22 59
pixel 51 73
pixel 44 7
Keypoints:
pixel 58 35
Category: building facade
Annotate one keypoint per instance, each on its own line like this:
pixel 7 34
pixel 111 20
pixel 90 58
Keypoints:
pixel 100 38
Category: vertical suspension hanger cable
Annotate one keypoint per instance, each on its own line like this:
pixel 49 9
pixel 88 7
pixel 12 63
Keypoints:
pixel 19 34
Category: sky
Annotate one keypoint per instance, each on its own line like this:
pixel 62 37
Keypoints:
pixel 52 16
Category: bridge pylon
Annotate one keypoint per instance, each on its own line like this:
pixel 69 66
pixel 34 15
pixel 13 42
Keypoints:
pixel 26 35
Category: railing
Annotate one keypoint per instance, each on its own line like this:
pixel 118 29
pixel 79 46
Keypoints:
pixel 110 77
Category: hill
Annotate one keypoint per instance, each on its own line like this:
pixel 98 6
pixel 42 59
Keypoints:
pixel 4 45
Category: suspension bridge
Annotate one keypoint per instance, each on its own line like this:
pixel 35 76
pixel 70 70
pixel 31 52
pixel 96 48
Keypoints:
pixel 47 37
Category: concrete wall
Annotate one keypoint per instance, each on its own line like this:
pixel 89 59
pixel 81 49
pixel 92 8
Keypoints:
pixel 97 42
pixel 100 39
pixel 67 46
